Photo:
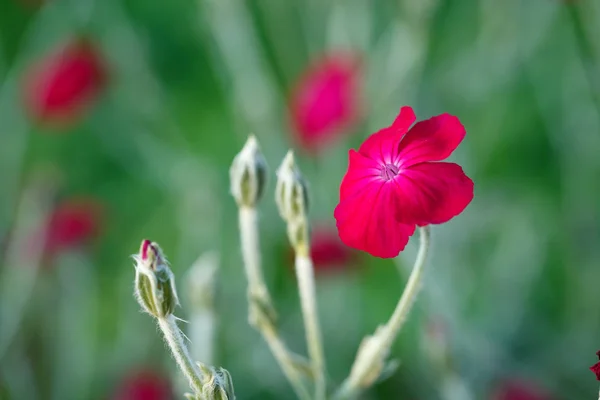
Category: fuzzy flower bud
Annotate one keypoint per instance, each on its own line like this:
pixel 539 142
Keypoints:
pixel 292 200
pixel 219 386
pixel 291 194
pixel 154 281
pixel 248 174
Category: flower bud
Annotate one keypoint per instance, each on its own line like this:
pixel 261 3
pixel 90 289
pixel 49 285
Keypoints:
pixel 219 386
pixel 290 193
pixel 154 281
pixel 248 174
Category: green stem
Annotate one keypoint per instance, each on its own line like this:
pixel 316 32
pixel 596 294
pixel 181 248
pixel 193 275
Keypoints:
pixel 261 310
pixel 376 348
pixel 174 339
pixel 306 285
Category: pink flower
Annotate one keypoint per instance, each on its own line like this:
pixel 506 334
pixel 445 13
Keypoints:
pixel 72 223
pixel 59 89
pixel 395 182
pixel 325 100
pixel 519 390
pixel 144 385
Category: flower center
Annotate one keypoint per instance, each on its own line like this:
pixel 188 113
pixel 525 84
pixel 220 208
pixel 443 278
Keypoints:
pixel 389 172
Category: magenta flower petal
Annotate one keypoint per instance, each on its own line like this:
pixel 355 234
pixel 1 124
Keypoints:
pixel 366 221
pixel 431 140
pixel 383 144
pixel 362 171
pixel 432 193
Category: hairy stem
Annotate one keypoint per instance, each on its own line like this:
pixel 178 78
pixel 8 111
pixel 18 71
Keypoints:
pixel 306 285
pixel 371 357
pixel 248 220
pixel 174 338
pixel 261 310
pixel 282 355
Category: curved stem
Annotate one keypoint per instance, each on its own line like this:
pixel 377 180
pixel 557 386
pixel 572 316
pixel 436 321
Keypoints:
pixel 306 284
pixel 282 355
pixel 262 313
pixel 174 339
pixel 375 349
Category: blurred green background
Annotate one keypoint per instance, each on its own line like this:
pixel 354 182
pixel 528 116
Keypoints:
pixel 513 280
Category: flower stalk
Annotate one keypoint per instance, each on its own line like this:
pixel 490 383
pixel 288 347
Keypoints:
pixel 374 350
pixel 248 178
pixel 155 291
pixel 292 201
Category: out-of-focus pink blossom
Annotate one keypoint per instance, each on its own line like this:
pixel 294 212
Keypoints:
pixel 596 367
pixel 329 254
pixel 59 88
pixel 515 389
pixel 72 223
pixel 325 100
pixel 144 385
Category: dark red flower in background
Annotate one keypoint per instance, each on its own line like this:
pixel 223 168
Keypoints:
pixel 596 367
pixel 325 100
pixel 72 223
pixel 144 385
pixel 329 254
pixel 395 182
pixel 520 390
pixel 59 88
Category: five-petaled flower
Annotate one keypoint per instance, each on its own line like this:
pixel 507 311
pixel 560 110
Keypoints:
pixel 596 367
pixel 395 182
pixel 59 88
pixel 325 100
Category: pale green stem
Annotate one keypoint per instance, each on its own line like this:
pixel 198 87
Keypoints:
pixel 282 355
pixel 257 290
pixel 380 343
pixel 174 338
pixel 306 285
pixel 248 220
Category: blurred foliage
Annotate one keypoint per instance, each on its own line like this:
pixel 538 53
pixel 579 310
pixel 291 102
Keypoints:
pixel 514 278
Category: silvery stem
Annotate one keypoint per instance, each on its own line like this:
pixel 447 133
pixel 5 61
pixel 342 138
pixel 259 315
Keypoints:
pixel 375 349
pixel 306 286
pixel 174 338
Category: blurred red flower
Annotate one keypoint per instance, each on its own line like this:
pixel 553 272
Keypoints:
pixel 72 223
pixel 325 100
pixel 144 385
pixel 519 390
pixel 59 88
pixel 328 253
pixel 596 367
pixel 394 182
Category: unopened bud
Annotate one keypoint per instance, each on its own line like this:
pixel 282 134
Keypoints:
pixel 219 385
pixel 291 194
pixel 154 281
pixel 248 174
